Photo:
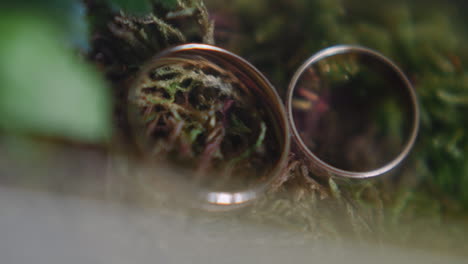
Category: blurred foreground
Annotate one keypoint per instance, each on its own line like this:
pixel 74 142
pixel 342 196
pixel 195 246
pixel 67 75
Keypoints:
pixel 38 227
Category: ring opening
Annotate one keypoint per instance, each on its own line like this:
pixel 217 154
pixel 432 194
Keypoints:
pixel 215 118
pixel 352 111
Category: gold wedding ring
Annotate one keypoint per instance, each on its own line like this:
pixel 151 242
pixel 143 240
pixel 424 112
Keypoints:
pixel 212 65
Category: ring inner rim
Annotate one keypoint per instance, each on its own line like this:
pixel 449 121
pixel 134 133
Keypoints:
pixel 347 49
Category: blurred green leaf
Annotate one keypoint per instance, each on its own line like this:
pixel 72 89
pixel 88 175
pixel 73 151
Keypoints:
pixel 68 15
pixel 44 89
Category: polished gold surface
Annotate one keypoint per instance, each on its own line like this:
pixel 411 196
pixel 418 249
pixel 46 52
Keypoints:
pixel 229 180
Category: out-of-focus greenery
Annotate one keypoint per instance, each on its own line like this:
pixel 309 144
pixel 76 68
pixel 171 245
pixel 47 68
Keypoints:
pixel 45 88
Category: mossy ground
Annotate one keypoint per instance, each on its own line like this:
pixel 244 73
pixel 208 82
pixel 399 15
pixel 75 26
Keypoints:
pixel 422 203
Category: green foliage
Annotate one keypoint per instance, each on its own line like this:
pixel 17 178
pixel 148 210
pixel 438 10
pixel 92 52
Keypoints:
pixel 44 88
pixel 66 15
